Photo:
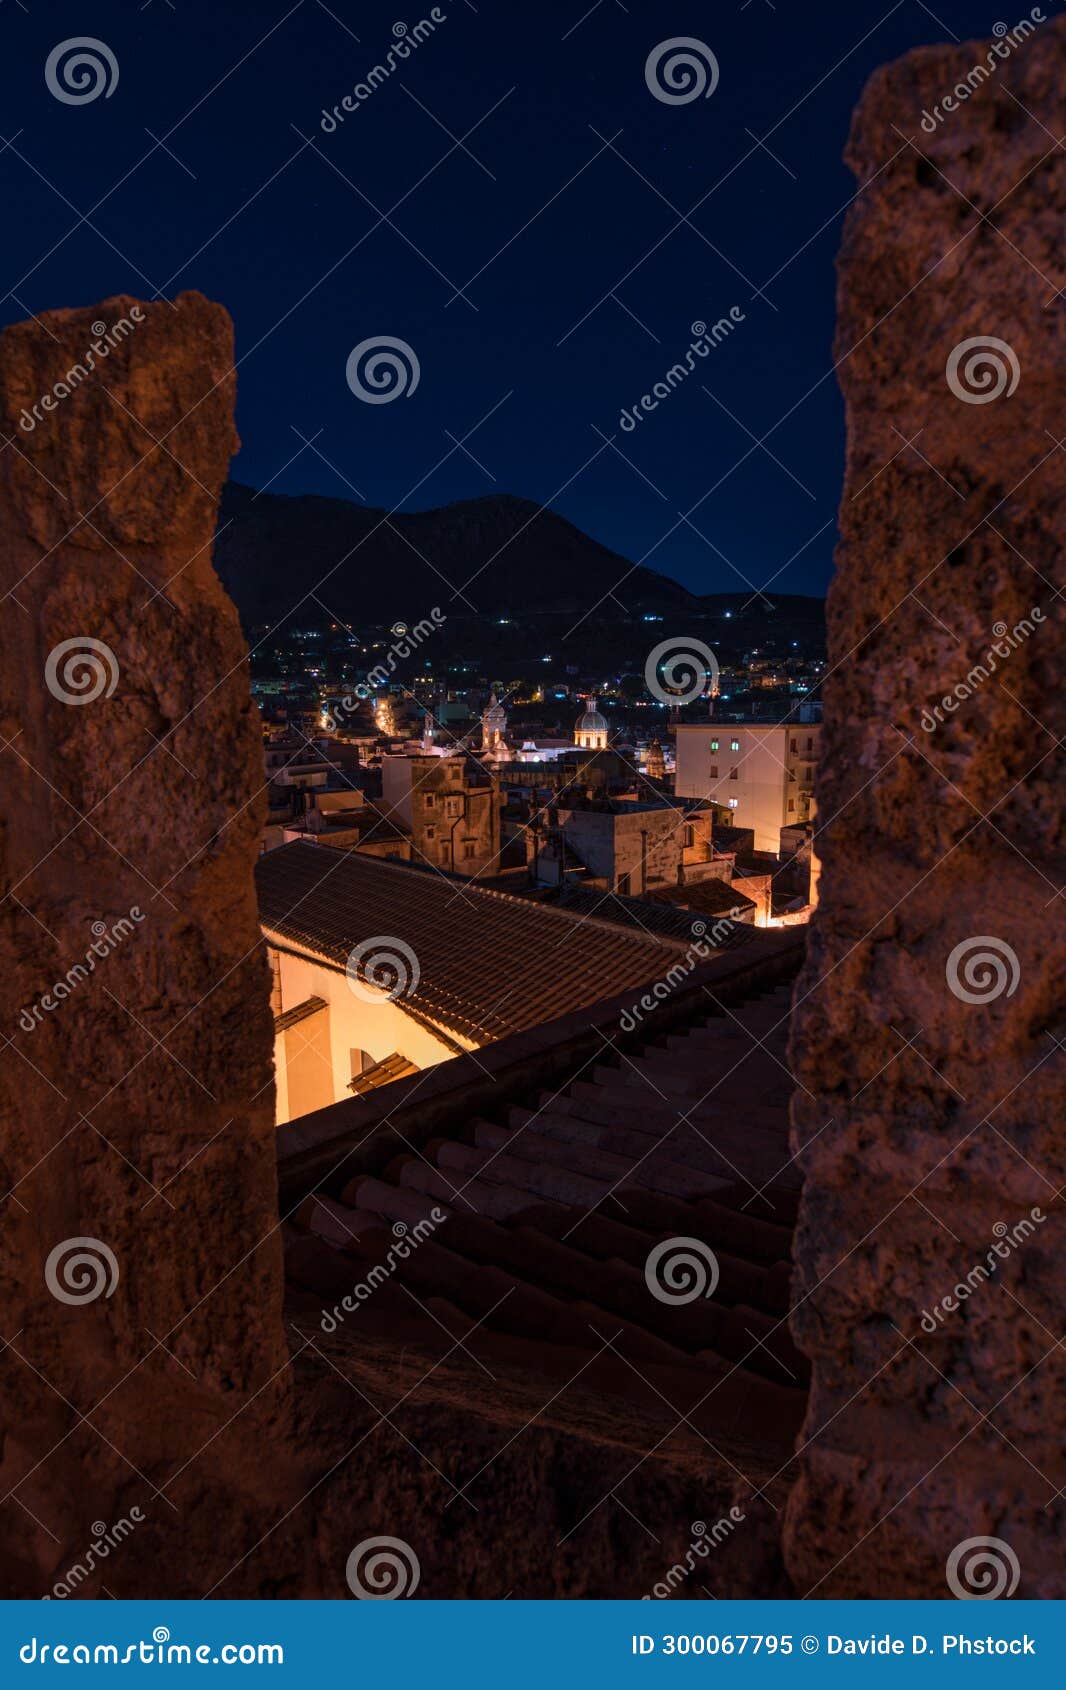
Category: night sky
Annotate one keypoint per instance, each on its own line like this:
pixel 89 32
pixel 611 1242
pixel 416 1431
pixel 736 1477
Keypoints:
pixel 580 281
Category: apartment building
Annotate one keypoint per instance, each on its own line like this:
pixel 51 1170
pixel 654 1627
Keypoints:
pixel 763 773
pixel 450 806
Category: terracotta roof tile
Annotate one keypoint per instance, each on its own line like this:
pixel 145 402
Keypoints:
pixel 488 964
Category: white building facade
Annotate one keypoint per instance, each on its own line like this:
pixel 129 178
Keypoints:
pixel 762 772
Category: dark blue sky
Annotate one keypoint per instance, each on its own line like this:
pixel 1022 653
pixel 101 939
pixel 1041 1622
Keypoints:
pixel 585 280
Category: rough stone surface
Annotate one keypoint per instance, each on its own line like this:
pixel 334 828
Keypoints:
pixel 137 1110
pixel 927 1124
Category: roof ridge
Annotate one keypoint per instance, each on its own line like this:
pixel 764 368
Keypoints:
pixel 392 867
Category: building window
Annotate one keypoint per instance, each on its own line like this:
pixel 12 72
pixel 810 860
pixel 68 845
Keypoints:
pixel 794 746
pixel 429 800
pixel 810 745
pixel 688 837
pixel 733 774
pixel 714 771
pixel 469 849
pixel 733 802
pixel 714 745
pixel 791 804
pixel 431 833
pixel 734 745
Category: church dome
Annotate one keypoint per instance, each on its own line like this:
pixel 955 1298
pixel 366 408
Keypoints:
pixel 591 723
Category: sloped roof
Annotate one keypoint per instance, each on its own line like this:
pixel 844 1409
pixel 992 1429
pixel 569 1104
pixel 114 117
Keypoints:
pixel 488 964
pixel 703 897
pixel 651 912
pixel 568 1199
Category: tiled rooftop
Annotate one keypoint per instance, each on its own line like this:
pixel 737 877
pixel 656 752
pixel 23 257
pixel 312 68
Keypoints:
pixel 709 897
pixel 539 1224
pixel 394 1067
pixel 656 912
pixel 489 964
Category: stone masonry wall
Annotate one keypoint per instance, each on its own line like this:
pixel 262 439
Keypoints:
pixel 140 1267
pixel 927 1037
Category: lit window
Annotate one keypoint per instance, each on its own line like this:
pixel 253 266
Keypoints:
pixel 714 745
pixel 734 745
pixel 733 802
